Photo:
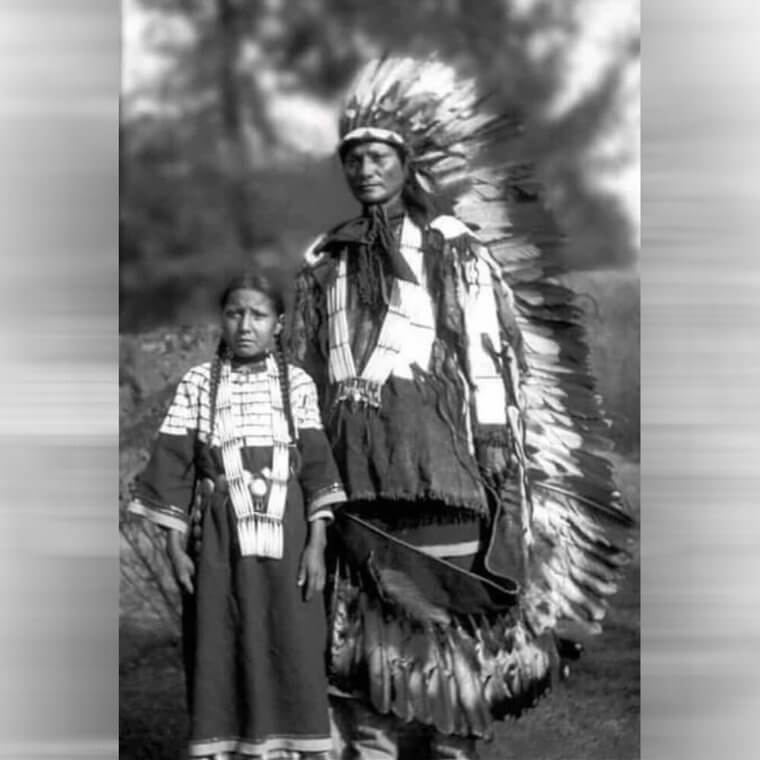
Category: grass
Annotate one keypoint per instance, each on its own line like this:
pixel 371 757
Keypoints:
pixel 152 718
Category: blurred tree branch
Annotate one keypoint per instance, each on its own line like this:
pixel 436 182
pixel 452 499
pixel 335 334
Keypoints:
pixel 235 145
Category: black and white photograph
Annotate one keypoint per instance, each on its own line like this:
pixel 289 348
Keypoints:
pixel 379 379
pixel 379 408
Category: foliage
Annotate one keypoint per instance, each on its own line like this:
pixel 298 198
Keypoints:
pixel 150 367
pixel 209 178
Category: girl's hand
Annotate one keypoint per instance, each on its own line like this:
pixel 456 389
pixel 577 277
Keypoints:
pixel 311 572
pixel 182 565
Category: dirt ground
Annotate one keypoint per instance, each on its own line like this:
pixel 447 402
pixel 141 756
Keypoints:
pixel 592 716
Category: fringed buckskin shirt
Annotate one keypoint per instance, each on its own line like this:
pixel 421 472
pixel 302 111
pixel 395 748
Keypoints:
pixel 410 462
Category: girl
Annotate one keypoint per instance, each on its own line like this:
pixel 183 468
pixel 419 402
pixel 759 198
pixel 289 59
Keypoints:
pixel 244 431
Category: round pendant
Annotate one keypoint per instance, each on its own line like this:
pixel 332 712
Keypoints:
pixel 258 487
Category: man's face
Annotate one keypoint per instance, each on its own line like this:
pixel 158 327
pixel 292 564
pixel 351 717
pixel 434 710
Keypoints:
pixel 374 171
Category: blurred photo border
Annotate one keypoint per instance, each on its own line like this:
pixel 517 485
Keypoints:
pixel 59 583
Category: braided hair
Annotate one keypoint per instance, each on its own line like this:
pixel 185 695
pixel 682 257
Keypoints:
pixel 216 371
pixel 252 279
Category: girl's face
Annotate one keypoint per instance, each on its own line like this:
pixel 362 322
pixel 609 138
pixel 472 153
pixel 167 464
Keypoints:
pixel 249 323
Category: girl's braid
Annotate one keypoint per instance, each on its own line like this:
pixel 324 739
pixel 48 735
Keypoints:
pixel 213 390
pixel 282 368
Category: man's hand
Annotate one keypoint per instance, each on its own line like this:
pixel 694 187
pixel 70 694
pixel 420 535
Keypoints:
pixel 493 459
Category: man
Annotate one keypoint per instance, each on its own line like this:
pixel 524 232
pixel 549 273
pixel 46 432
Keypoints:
pixel 454 559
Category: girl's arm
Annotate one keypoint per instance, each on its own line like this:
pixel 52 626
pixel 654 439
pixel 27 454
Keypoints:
pixel 163 492
pixel 182 565
pixel 319 480
pixel 311 573
pixel 319 475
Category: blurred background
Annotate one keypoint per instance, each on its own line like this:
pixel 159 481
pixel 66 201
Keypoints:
pixel 228 124
pixel 227 135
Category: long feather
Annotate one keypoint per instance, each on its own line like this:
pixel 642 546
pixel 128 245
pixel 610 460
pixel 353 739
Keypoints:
pixel 439 692
pixel 418 647
pixel 375 656
pixel 393 639
pixel 401 590
pixel 467 674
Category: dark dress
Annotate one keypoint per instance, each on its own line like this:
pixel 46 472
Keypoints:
pixel 254 649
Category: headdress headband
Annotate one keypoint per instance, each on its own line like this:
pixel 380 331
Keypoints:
pixel 369 134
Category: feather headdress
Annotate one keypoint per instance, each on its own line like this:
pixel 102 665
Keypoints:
pixel 428 110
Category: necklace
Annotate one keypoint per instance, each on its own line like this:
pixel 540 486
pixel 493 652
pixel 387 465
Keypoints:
pixel 365 387
pixel 258 499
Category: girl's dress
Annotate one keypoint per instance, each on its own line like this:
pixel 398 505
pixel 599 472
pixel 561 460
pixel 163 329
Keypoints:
pixel 254 649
